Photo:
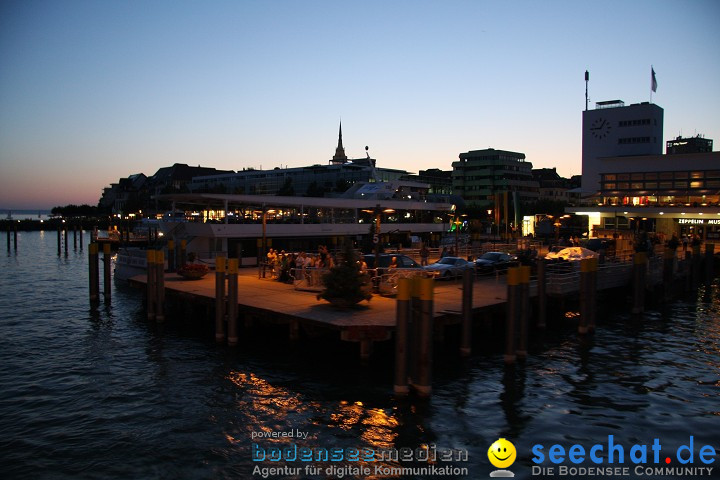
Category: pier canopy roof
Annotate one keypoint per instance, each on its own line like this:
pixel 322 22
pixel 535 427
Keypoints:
pixel 216 199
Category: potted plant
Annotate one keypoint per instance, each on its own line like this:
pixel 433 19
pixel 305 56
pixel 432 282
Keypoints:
pixel 193 271
pixel 344 284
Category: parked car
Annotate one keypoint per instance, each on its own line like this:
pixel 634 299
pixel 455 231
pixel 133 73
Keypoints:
pixel 403 261
pixel 449 267
pixel 490 262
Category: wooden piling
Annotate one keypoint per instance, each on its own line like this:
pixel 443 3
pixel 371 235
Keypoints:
pixel 639 273
pixel 8 237
pixel 232 306
pixel 513 286
pixel 15 237
pixel 696 266
pixel 424 358
pixel 709 266
pixel 171 256
pixel 151 295
pixel 94 271
pixel 467 300
pixel 65 233
pixel 183 252
pixel 668 261
pixel 219 299
pixel 107 273
pixel 159 286
pixel 584 296
pixel 524 311
pixel 542 293
pixel 75 229
pixel 81 236
pixel 59 244
pixel 592 294
pixel 402 317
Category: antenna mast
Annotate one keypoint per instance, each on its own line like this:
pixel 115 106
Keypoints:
pixel 587 79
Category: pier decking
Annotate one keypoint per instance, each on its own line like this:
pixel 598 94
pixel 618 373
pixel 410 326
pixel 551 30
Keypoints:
pixel 280 303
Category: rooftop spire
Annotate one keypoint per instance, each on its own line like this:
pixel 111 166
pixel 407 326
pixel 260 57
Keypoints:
pixel 340 156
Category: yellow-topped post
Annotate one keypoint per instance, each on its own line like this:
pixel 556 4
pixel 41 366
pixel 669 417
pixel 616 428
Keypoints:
pixel 402 318
pixel 232 301
pixel 159 286
pixel 220 298
pixel 424 288
pixel 151 296
pixel 524 311
pixel 514 277
pixel 639 273
pixel 467 300
pixel 94 268
pixel 107 255
pixel 171 255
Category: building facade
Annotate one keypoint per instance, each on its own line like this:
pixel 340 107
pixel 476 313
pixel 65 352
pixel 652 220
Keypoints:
pixel 479 176
pixel 638 190
pixel 615 130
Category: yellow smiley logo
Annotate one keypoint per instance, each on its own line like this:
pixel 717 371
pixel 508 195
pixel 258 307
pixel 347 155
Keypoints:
pixel 502 453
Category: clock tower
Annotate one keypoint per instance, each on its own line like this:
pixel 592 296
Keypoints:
pixel 614 130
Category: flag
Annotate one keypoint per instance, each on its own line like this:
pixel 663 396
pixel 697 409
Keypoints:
pixel 653 80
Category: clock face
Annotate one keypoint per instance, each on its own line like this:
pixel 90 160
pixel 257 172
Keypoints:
pixel 600 128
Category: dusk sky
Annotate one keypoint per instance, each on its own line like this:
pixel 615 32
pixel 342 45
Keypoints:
pixel 91 91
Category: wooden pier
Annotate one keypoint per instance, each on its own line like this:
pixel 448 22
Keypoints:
pixel 273 302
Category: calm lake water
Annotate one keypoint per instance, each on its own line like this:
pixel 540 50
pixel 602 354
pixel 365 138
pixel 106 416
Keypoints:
pixel 103 393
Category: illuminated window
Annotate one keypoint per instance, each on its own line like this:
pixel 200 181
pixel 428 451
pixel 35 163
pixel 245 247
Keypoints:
pixel 696 184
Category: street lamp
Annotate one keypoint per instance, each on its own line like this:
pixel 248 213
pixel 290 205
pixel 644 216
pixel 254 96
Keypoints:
pixel 378 211
pixel 457 223
pixel 264 231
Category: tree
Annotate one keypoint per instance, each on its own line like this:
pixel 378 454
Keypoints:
pixel 344 284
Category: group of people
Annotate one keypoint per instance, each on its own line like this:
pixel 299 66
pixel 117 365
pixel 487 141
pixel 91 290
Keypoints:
pixel 283 265
pixel 674 241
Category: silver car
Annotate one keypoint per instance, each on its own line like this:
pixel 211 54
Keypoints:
pixel 449 267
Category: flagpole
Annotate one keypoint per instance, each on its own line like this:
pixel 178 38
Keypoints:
pixel 653 82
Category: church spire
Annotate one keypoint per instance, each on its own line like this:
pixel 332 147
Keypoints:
pixel 340 156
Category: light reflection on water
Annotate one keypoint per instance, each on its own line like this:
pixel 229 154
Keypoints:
pixel 99 393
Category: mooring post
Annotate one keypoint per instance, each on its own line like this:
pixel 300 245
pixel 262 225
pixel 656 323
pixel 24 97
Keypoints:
pixel 592 292
pixel 171 255
pixel 81 236
pixel 15 237
pixel 542 293
pixel 183 252
pixel 513 284
pixel 232 306
pixel 668 261
pixel 423 383
pixel 65 233
pixel 524 313
pixel 467 300
pixel 8 237
pixel 220 299
pixel 639 267
pixel 696 266
pixel 107 255
pixel 151 295
pixel 402 315
pixel 59 243
pixel 709 267
pixel 94 268
pixel 159 286
pixel 75 229
pixel 584 296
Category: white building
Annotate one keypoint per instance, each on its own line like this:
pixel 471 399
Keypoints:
pixel 615 130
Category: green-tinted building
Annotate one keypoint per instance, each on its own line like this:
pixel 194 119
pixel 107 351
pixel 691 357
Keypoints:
pixel 481 175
